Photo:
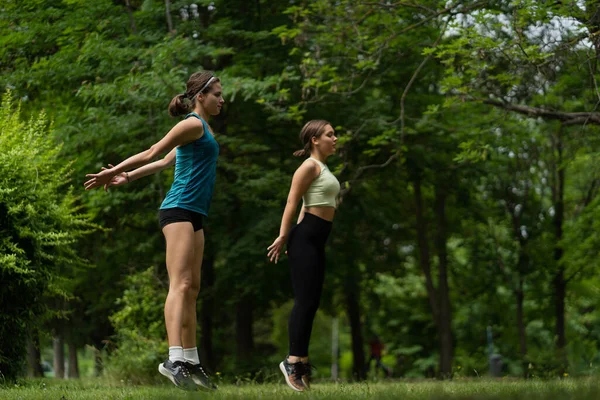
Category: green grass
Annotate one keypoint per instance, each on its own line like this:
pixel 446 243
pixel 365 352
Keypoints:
pixel 98 389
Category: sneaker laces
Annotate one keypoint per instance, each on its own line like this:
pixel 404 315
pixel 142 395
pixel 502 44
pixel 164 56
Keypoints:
pixel 199 367
pixel 184 371
pixel 297 369
pixel 308 367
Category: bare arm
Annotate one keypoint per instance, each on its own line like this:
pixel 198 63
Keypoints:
pixel 301 181
pixel 184 132
pixel 301 215
pixel 154 167
pixel 127 177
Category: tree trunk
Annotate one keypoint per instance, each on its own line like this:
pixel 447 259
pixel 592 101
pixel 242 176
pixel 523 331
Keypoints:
pixel 34 359
pixel 560 288
pixel 168 14
pixel 560 284
pixel 243 335
pixel 335 348
pixel 352 294
pixel 73 371
pixel 593 25
pixel 98 364
pixel 259 15
pixel 441 317
pixel 206 312
pixel 131 19
pixel 59 355
pixel 520 296
pixel 445 311
pixel 424 256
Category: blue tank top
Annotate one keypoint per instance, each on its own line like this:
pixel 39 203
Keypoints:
pixel 195 173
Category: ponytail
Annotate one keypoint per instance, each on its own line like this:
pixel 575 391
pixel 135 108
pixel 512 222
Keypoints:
pixel 180 105
pixel 304 152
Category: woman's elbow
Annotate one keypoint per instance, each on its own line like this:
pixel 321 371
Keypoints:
pixel 150 154
pixel 292 202
pixel 166 163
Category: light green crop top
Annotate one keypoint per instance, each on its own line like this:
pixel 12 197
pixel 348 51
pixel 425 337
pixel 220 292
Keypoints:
pixel 323 190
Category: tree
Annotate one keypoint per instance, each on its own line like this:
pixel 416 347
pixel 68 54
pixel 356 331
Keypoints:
pixel 41 224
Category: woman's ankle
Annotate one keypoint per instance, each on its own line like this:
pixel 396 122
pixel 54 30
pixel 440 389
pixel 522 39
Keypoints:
pixel 294 359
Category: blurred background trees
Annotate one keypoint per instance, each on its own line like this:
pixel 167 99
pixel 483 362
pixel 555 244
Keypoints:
pixel 469 170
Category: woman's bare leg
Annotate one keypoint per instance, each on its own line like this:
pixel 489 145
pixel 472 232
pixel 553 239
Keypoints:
pixel 180 258
pixel 188 335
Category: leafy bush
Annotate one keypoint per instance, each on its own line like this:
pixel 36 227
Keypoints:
pixel 140 330
pixel 39 225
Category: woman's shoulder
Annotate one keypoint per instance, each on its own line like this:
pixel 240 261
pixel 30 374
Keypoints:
pixel 192 124
pixel 310 166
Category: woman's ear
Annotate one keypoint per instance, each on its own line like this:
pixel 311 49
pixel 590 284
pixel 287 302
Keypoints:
pixel 314 140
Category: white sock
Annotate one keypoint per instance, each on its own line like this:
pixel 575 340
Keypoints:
pixel 176 353
pixel 191 355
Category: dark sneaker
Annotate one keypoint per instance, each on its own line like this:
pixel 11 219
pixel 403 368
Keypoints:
pixel 200 377
pixel 293 374
pixel 306 373
pixel 178 373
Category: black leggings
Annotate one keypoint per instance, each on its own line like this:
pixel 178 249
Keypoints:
pixel 306 254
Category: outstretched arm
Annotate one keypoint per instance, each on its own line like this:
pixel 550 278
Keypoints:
pixel 184 132
pixel 154 167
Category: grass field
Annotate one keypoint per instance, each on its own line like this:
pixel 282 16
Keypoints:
pixel 97 389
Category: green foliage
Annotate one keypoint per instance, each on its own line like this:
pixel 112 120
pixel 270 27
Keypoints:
pixel 139 330
pixel 403 82
pixel 41 223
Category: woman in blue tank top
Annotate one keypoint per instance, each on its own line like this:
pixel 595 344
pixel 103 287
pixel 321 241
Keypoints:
pixel 191 146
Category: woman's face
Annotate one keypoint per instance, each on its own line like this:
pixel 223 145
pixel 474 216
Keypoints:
pixel 326 142
pixel 213 100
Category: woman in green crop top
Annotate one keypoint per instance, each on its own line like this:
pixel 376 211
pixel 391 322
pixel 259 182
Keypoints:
pixel 318 188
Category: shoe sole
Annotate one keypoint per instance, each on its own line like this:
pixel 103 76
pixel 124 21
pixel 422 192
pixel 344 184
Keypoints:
pixel 306 384
pixel 200 385
pixel 203 387
pixel 287 378
pixel 165 372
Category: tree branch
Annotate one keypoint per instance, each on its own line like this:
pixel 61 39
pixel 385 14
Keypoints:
pixel 411 81
pixel 567 118
pixel 361 171
pixel 574 274
pixel 591 193
pixel 398 3
pixel 447 10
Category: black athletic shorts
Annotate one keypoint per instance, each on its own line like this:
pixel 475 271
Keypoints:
pixel 169 215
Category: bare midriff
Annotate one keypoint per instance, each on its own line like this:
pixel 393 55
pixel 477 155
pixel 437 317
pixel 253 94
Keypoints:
pixel 326 213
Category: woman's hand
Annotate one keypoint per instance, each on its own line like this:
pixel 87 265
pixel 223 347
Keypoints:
pixel 103 178
pixel 117 180
pixel 276 248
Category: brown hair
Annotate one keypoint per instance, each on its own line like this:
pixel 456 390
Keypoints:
pixel 313 128
pixel 184 103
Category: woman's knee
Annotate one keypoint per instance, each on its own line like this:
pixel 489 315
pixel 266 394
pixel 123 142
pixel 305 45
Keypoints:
pixel 183 285
pixel 191 289
pixel 194 290
pixel 306 308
